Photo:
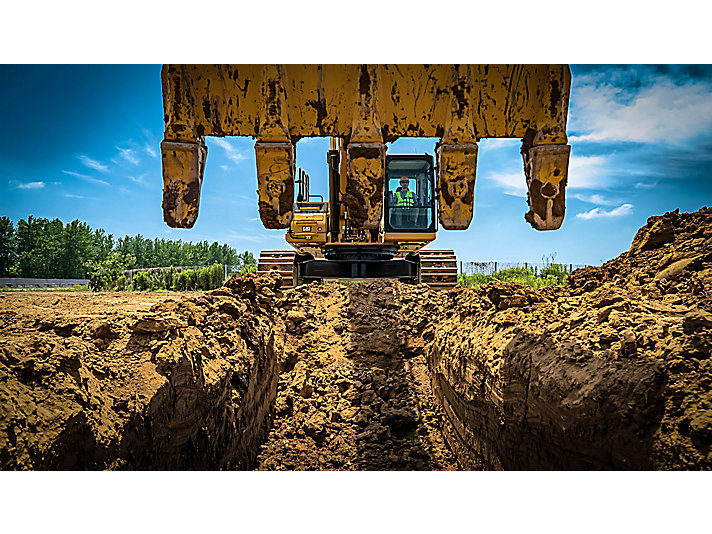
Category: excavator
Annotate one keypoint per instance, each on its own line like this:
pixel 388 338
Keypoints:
pixel 382 209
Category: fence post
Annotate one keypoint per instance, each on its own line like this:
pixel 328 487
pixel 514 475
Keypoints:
pixel 460 267
pixel 526 265
pixel 571 267
pixel 495 267
pixel 225 271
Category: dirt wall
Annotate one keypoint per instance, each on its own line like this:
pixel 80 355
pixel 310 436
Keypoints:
pixel 611 372
pixel 137 381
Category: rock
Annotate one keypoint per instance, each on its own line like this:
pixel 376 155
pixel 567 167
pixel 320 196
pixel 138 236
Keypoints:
pixel 349 413
pixel 314 425
pixel 105 330
pixel 343 384
pixel 296 316
pixel 628 343
pixel 675 270
pixel 696 320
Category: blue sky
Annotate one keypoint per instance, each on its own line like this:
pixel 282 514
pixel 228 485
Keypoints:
pixel 83 142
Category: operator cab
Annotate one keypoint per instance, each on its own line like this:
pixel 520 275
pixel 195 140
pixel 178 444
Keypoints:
pixel 409 201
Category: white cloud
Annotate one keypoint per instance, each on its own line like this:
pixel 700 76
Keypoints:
pixel 513 183
pixel 660 111
pixel 150 151
pixel 493 143
pixel 235 155
pixel 86 178
pixel 596 213
pixel 312 140
pixel 585 172
pixel 31 185
pixel 645 185
pixel 138 180
pixel 93 164
pixel 596 199
pixel 224 167
pixel 72 195
pixel 128 154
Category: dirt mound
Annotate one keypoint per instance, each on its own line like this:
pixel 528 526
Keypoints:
pixel 613 371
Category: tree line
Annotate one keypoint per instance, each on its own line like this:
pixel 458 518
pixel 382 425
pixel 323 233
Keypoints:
pixel 43 248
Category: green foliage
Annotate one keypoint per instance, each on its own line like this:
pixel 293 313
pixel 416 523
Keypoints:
pixel 48 249
pixel 7 246
pixel 557 271
pixel 140 281
pixel 248 269
pixel 172 279
pixel 106 273
pixel 43 248
pixel 164 253
pixel 518 275
pixel 121 283
pixel 246 262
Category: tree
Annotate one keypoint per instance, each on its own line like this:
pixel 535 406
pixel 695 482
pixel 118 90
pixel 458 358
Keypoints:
pixel 104 274
pixel 7 246
pixel 247 262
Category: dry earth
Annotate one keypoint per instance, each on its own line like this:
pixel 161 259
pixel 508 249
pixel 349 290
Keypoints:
pixel 612 371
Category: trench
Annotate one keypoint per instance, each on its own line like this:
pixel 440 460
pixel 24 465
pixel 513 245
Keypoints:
pixel 354 391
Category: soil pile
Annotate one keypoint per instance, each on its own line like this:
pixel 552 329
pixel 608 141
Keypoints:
pixel 612 371
pixel 112 381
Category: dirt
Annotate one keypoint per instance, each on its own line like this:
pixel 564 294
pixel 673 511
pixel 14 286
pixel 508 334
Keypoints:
pixel 140 381
pixel 612 371
pixel 354 392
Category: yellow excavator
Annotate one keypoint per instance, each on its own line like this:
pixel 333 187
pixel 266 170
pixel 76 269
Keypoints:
pixel 383 209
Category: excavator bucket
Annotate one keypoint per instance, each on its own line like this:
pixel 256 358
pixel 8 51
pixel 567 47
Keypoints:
pixel 367 106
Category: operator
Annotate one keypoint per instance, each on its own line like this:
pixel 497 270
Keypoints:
pixel 404 197
pixel 403 202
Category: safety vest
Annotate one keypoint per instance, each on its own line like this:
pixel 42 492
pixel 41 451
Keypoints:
pixel 404 202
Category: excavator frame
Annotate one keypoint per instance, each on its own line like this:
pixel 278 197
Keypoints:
pixel 329 247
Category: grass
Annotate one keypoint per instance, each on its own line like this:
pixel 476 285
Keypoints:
pixel 519 275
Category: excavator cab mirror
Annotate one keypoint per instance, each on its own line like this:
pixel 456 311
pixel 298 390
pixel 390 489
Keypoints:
pixel 409 199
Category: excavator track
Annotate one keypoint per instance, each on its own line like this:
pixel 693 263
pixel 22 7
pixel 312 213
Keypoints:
pixel 278 260
pixel 438 268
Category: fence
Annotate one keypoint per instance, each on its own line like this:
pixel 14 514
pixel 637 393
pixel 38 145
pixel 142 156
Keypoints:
pixel 490 267
pixel 42 282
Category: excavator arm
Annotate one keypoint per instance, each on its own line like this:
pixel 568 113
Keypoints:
pixel 367 106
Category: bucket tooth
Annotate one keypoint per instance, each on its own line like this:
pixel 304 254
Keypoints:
pixel 457 167
pixel 183 165
pixel 366 175
pixel 275 183
pixel 546 168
